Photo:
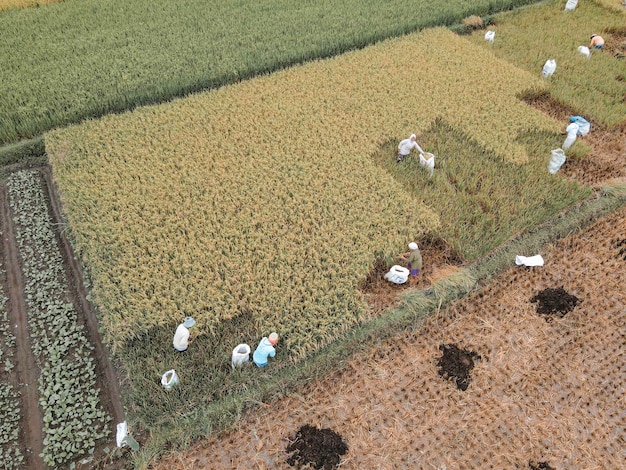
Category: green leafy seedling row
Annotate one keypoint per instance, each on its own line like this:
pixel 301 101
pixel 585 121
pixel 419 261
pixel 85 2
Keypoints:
pixel 72 413
pixel 10 453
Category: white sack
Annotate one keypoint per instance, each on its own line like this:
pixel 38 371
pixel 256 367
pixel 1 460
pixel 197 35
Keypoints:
pixel 397 274
pixel 536 260
pixel 122 430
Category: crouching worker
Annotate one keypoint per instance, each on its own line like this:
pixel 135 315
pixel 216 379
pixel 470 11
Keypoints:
pixel 265 349
pixel 413 259
pixel 181 337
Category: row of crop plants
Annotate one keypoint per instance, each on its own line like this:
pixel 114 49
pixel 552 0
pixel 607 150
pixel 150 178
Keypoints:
pixel 73 416
pixel 80 59
pixel 10 454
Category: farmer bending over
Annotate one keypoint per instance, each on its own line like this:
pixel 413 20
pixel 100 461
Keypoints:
pixel 181 337
pixel 413 259
pixel 405 146
pixel 597 42
pixel 265 349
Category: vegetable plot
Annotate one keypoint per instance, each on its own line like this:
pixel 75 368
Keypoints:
pixel 10 454
pixel 73 416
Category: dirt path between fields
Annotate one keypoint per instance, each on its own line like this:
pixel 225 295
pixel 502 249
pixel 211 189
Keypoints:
pixel 109 376
pixel 27 370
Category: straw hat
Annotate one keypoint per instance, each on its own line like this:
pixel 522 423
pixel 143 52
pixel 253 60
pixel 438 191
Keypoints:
pixel 413 246
pixel 189 322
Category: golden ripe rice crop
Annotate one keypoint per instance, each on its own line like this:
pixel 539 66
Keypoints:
pixel 16 4
pixel 263 197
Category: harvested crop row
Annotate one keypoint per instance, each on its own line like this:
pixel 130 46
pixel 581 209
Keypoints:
pixel 10 453
pixel 481 198
pixel 73 416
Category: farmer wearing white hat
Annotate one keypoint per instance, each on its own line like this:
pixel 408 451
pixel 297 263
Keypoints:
pixel 413 259
pixel 181 337
pixel 405 146
pixel 265 349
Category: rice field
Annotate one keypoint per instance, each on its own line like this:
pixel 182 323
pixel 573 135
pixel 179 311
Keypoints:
pixel 82 59
pixel 592 86
pixel 278 231
pixel 268 203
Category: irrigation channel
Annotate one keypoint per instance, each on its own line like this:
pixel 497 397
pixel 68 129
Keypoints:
pixel 67 388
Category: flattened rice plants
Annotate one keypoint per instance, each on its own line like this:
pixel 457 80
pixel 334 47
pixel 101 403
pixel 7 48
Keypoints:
pixel 73 416
pixel 481 198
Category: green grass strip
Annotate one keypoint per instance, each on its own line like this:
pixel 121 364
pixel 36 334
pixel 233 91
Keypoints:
pixel 23 151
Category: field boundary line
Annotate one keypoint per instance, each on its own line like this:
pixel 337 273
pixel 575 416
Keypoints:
pixel 75 284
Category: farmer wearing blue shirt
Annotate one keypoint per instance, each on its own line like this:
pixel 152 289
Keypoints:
pixel 265 349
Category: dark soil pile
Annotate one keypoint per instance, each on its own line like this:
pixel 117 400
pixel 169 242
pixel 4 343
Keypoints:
pixel 540 466
pixel 554 302
pixel 456 364
pixel 621 246
pixel 320 448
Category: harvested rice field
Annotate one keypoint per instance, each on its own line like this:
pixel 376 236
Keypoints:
pixel 529 372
